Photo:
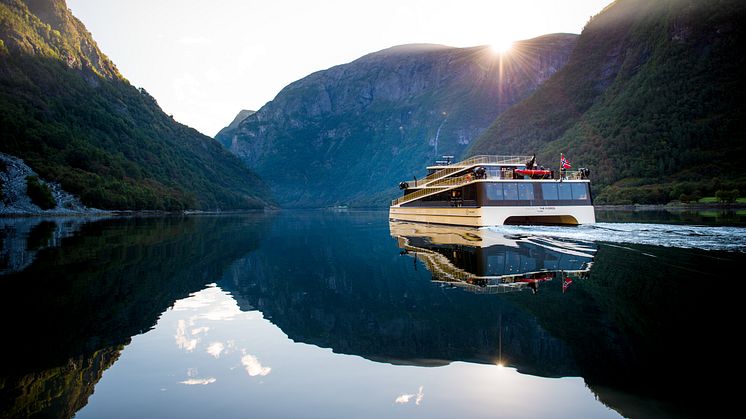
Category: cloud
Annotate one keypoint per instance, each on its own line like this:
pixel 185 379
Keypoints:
pixel 254 367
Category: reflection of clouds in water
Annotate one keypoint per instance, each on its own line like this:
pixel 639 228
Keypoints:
pixel 253 366
pixel 210 303
pixel 215 349
pixel 198 381
pixel 213 304
pixel 406 398
pixel 181 338
pixel 199 330
pixel 194 381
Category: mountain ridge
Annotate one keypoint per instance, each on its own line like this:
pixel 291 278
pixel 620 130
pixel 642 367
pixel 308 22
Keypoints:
pixel 350 133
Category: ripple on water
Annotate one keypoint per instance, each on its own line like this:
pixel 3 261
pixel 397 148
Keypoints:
pixel 668 235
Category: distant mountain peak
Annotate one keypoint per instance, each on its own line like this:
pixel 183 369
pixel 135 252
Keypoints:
pixel 409 49
pixel 243 114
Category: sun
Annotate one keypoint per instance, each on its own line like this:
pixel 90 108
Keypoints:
pixel 501 46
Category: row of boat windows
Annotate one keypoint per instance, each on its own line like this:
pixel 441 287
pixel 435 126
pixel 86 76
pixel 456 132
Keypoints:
pixel 513 191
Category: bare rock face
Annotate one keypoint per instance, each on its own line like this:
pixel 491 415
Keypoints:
pixel 348 134
pixel 14 198
pixel 66 38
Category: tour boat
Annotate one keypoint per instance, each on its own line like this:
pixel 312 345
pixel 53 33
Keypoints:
pixel 496 190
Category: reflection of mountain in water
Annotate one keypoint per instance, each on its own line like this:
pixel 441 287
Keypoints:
pixel 485 261
pixel 69 313
pixel 627 328
pixel 22 238
pixel 645 329
pixel 339 282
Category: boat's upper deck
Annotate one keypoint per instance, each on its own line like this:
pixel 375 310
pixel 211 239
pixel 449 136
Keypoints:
pixel 442 177
pixel 440 171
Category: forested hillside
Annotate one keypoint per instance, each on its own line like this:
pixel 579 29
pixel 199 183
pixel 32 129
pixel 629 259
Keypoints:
pixel 68 113
pixel 651 100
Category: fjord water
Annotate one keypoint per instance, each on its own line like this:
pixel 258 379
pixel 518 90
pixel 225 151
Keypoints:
pixel 325 314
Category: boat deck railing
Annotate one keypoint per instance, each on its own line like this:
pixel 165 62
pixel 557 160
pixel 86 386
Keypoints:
pixel 473 161
pixel 435 187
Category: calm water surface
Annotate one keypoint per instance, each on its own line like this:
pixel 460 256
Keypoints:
pixel 322 314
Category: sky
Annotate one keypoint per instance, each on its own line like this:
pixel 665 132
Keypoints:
pixel 204 60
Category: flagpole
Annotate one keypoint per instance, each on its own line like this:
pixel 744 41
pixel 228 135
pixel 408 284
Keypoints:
pixel 560 168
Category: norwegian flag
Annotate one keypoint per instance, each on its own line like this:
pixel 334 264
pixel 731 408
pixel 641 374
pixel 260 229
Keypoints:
pixel 564 163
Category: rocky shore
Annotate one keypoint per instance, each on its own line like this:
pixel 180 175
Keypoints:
pixel 14 199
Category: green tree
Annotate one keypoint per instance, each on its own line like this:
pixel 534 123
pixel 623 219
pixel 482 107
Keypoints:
pixel 727 197
pixel 39 193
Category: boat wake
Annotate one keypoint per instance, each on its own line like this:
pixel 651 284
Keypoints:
pixel 668 235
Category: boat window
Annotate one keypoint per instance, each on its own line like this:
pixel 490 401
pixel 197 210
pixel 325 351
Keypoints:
pixel 493 173
pixel 526 191
pixel 495 192
pixel 511 191
pixel 550 191
pixel 579 191
pixel 565 191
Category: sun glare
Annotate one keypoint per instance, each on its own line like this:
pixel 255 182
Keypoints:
pixel 501 47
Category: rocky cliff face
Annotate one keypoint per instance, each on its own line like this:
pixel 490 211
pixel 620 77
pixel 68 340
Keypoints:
pixel 62 36
pixel 348 134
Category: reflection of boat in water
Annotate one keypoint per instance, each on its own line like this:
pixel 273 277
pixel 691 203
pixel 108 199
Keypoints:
pixel 486 261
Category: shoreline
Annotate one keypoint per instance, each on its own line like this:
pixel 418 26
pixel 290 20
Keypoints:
pixel 131 213
pixel 150 213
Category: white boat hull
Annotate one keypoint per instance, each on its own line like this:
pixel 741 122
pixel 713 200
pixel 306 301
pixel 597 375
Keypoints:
pixel 492 216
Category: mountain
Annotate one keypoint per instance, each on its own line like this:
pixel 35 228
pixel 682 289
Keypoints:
pixel 651 100
pixel 351 133
pixel 231 128
pixel 72 117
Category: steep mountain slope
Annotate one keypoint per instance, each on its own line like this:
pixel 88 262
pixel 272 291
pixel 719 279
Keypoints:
pixel 651 100
pixel 349 134
pixel 68 113
pixel 231 128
